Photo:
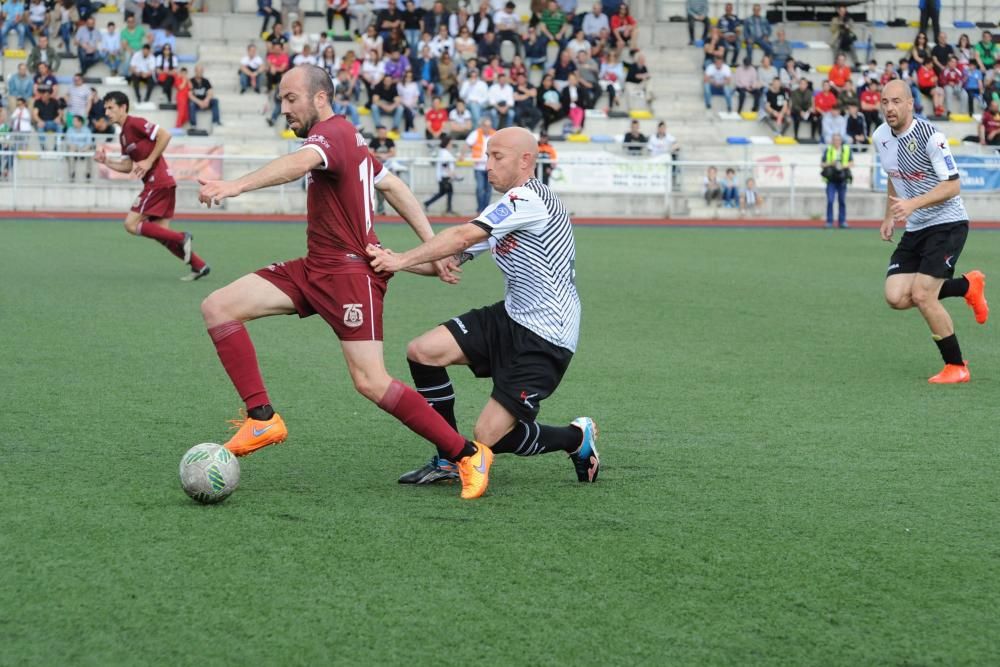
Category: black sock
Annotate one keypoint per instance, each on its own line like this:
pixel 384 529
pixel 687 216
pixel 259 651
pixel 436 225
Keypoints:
pixel 468 450
pixel 954 287
pixel 532 438
pixel 261 412
pixel 950 351
pixel 433 383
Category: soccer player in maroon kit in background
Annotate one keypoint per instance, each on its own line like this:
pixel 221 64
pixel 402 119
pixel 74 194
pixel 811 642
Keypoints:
pixel 142 145
pixel 334 279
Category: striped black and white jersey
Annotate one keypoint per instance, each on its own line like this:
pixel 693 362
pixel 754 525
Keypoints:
pixel 531 239
pixel 917 160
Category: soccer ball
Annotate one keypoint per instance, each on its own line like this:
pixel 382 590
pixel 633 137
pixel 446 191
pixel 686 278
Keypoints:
pixel 209 473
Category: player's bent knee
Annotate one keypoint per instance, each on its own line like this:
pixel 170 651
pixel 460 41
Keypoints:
pixel 898 301
pixel 923 298
pixel 214 310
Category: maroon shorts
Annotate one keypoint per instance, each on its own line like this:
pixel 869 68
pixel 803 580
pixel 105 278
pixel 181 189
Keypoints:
pixel 156 203
pixel 351 303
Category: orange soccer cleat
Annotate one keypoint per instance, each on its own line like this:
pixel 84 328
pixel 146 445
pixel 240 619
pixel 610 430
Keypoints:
pixel 474 471
pixel 253 434
pixel 976 296
pixel 951 374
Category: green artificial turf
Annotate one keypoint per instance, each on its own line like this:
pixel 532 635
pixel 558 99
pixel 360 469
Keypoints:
pixel 780 483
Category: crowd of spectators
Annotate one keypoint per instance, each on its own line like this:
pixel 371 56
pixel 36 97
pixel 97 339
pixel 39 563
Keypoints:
pixel 413 61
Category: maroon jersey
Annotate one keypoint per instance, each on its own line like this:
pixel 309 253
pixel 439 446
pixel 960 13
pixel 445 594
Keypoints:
pixel 138 138
pixel 340 200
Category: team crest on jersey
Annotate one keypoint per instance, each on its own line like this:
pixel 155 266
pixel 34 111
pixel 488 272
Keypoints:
pixel 353 315
pixel 499 214
pixel 912 146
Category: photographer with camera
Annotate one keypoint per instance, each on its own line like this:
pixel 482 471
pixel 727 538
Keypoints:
pixel 836 172
pixel 843 35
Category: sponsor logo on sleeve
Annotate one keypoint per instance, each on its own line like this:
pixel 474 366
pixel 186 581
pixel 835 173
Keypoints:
pixel 318 139
pixel 948 162
pixel 499 214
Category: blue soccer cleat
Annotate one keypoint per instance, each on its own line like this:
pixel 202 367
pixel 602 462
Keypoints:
pixel 435 470
pixel 586 460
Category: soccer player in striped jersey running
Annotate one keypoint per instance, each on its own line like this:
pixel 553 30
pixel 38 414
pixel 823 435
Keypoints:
pixel 525 342
pixel 923 192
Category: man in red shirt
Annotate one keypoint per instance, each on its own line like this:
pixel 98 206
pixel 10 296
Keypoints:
pixel 825 99
pixel 871 104
pixel 927 82
pixel 334 279
pixel 142 146
pixel 989 125
pixel 840 73
pixel 436 120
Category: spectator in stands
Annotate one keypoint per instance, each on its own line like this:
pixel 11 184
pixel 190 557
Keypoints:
pixel 594 21
pixel 711 189
pixel 848 96
pixel 574 100
pixel 412 24
pixel 277 38
pixel 477 144
pixel 182 86
pixel 251 70
pixel 730 190
pixel 989 126
pixel 385 100
pixel 43 52
pixel 166 71
pixel 987 51
pixel 328 61
pixel 750 200
pixel 388 19
pixel 181 22
pixel 834 124
pixel 492 69
pixel 843 35
pixel 777 108
pixel 552 23
pixel 343 98
pixel 110 49
pixel 746 82
pixel 837 164
pixel 730 26
pixel 20 84
pixel 21 122
pixel 907 75
pixel 384 148
pixel 501 100
pixel 927 82
pixel 718 81
pixel 88 41
pixel 436 120
pixel 930 10
pixel 447 77
pixel 162 38
pixel 803 109
pixel 920 53
pixel 305 57
pixel 549 102
pixel 443 42
pixel 964 51
pixel 974 85
pixel 825 99
pixel 757 32
pixel 132 38
pixel 267 10
pixel 47 114
pixel 888 73
pixel 77 99
pixel 142 69
pixel 578 44
pixel 278 63
pixel 455 21
pixel 612 78
pixel 37 14
pixel 634 140
pixel 781 49
pixel 338 8
pixel 871 104
pixel 547 156
pixel 857 128
pixel 589 75
pixel 953 82
pixel 714 46
pixel 516 67
pixel 12 12
pixel 697 12
pixel 839 74
pixel 766 70
pixel 460 120
pixel 526 111
pixel 508 25
pixel 202 98
pixel 155 15
pixel 96 106
pixel 941 52
pixel 362 13
pixel 536 47
pixel 298 40
pixel 46 78
pixel 66 18
pixel 562 68
pixel 104 128
pixel 79 139
pixel 790 75
pixel 482 21
pixel 476 95
pixel 372 71
pixel 409 100
pixel 444 172
pixel 372 43
pixel 425 70
pixel 487 49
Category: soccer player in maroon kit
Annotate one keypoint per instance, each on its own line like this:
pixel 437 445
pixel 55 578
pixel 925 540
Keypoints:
pixel 334 279
pixel 142 145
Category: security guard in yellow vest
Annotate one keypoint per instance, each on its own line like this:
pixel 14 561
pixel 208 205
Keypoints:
pixel 837 165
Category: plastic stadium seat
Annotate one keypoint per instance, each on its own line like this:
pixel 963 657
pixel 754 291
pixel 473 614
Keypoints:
pixel 880 24
pixel 761 140
pixel 178 131
pixel 15 53
pixel 965 25
pixel 699 43
pixel 602 139
pixel 913 24
pixel 392 134
pixel 824 69
pixel 904 46
pixel 737 140
pixel 785 141
pixel 641 114
pixel 364 111
pixel 187 58
pixel 463 163
pixel 960 118
pixel 952 141
pixel 114 81
pixel 749 115
pixel 108 9
pixel 413 136
pixel 799 45
pixel 578 138
pixel 287 134
pixel 64 80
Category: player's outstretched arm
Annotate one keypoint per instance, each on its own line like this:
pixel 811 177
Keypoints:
pixel 448 243
pixel 285 169
pixel 123 165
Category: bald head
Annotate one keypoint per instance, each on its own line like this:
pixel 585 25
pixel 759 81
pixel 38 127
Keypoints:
pixel 511 155
pixel 301 101
pixel 897 105
pixel 897 88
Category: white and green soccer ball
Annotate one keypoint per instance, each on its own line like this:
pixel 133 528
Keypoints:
pixel 209 473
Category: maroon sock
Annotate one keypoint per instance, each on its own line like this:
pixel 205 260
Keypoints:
pixel 239 358
pixel 197 263
pixel 175 248
pixel 412 409
pixel 159 232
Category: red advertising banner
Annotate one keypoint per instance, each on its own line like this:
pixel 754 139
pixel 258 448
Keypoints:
pixel 183 168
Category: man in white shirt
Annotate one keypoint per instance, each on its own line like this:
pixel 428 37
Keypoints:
pixel 475 93
pixel 718 81
pixel 460 120
pixel 141 70
pixel 501 96
pixel 78 98
pixel 306 57
pixel 508 25
pixel 664 143
pixel 250 70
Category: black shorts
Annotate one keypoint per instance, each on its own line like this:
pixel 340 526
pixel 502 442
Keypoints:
pixel 932 251
pixel 525 367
